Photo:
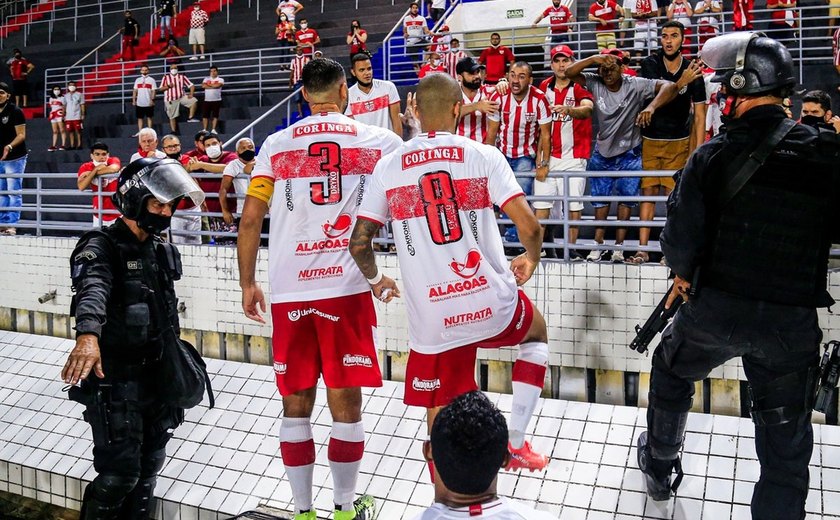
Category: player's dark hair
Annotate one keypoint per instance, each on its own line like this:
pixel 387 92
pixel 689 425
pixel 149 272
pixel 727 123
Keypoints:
pixel 453 40
pixel 673 23
pixel 469 442
pixel 321 75
pixel 496 34
pixel 99 145
pixel 820 97
pixel 359 56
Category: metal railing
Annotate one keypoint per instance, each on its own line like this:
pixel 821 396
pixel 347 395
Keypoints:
pixel 249 129
pixel 810 45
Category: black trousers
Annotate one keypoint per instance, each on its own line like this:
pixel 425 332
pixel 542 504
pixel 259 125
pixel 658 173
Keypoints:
pixel 773 341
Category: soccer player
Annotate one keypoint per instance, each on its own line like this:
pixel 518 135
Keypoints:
pixel 373 101
pixel 439 190
pixel 321 307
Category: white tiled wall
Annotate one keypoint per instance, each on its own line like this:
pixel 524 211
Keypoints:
pixel 590 308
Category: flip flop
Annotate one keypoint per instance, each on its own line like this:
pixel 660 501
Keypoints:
pixel 639 258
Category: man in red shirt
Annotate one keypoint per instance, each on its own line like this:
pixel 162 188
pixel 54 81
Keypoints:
pixel 559 17
pixel 307 38
pixel 214 161
pixel 496 58
pixel 432 65
pixel 101 163
pixel 604 14
pixel 20 68
pixel 742 15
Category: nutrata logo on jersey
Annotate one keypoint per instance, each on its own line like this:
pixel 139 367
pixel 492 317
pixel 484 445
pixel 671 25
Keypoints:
pixel 469 267
pixel 425 385
pixel 468 318
pixel 441 153
pixel 323 128
pixel 279 368
pixel 316 247
pixel 338 228
pixel 319 273
pixel 356 360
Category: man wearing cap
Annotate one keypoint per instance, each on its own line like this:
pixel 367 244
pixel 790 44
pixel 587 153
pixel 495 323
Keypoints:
pixel 479 100
pixel 673 132
pixel 621 110
pixel 759 232
pixel 571 144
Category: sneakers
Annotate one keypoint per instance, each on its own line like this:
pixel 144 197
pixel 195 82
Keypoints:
pixel 192 120
pixel 309 515
pixel 364 508
pixel 658 488
pixel 193 58
pixel 51 149
pixel 202 56
pixel 617 256
pixel 574 256
pixel 525 458
pixel 594 255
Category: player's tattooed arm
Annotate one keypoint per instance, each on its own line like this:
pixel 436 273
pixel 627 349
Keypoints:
pixel 361 246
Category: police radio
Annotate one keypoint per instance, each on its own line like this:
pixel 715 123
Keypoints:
pixel 829 376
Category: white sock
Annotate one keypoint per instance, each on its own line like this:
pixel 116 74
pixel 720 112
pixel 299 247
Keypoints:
pixel 347 445
pixel 528 377
pixel 298 452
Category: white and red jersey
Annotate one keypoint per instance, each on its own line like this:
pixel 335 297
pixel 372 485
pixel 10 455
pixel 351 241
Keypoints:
pixel 451 59
pixel 198 18
pixel 305 37
pixel 836 44
pixel 107 185
pixel 321 167
pixel 178 83
pixel 570 138
pixel 558 18
pixel 440 43
pixel 499 509
pixel 474 125
pixel 428 68
pixel 414 27
pixel 296 67
pixel 145 85
pixel 520 122
pixel 374 107
pixel 439 190
pixel 679 12
pixel 288 7
pixel 56 108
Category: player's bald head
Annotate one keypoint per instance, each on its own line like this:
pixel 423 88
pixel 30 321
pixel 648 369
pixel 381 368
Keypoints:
pixel 436 95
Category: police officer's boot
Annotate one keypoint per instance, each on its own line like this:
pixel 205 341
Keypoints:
pixel 658 451
pixel 104 497
pixel 139 503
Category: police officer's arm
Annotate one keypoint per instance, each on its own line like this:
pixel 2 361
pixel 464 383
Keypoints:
pixel 92 279
pixel 666 91
pixel 248 244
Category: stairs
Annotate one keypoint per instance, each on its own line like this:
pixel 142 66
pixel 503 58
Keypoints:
pixel 37 12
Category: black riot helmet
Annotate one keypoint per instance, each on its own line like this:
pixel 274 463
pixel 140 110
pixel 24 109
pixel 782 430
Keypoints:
pixel 164 179
pixel 749 63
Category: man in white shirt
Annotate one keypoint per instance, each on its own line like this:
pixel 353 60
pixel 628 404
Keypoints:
pixel 212 99
pixel 143 98
pixel 416 34
pixel 440 189
pixel 468 447
pixel 373 101
pixel 147 141
pixel 237 174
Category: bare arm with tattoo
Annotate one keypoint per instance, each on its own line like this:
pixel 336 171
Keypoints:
pixel 361 249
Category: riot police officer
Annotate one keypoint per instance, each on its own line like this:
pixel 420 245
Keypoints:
pixel 124 297
pixel 759 232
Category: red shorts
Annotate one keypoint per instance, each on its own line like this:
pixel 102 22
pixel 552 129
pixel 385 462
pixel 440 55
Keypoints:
pixel 335 337
pixel 433 380
pixel 73 126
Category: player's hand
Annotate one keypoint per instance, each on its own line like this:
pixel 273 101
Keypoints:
pixel 253 301
pixel 502 88
pixel 83 358
pixel 522 267
pixel 487 106
pixel 386 290
pixel 542 173
pixel 644 117
pixel 680 289
pixel 227 216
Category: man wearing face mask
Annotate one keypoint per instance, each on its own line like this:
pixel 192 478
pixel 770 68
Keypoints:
pixel 20 68
pixel 101 163
pixel 816 111
pixel 173 86
pixel 754 211
pixel 432 65
pixel 143 98
pixel 74 114
pixel 210 166
pixel 307 38
pixel 198 21
pixel 124 297
pixel 237 174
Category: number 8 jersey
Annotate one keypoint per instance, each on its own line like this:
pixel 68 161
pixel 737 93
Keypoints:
pixel 439 190
pixel 319 168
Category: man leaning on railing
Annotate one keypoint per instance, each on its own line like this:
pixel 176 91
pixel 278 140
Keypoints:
pixel 91 176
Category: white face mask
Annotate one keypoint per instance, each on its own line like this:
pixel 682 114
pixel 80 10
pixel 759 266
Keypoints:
pixel 304 25
pixel 99 163
pixel 56 92
pixel 213 151
pixel 173 71
pixel 71 88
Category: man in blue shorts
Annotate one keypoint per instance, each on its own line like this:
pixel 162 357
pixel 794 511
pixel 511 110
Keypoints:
pixel 620 113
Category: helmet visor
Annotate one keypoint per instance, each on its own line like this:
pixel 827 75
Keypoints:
pixel 167 180
pixel 727 53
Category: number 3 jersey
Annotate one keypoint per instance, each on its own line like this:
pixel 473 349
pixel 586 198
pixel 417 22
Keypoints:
pixel 320 168
pixel 439 190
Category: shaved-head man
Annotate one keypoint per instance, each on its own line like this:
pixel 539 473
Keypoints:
pixel 444 210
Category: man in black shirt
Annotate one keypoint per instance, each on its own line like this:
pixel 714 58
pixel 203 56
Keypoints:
pixel 12 159
pixel 672 134
pixel 131 32
pixel 167 12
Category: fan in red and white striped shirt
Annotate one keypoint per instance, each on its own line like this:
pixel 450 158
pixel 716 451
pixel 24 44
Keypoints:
pixel 478 100
pixel 296 67
pixel 173 85
pixel 451 58
pixel 524 110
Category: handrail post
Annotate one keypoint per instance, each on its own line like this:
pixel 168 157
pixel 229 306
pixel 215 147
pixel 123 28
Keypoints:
pixel 566 252
pixel 260 76
pixel 38 208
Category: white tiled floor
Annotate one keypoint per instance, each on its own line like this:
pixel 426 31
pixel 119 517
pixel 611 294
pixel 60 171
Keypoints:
pixel 225 461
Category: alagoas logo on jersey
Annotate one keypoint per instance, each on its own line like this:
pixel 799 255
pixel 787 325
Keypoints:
pixel 425 385
pixel 338 228
pixel 357 360
pixel 468 318
pixel 441 153
pixel 470 283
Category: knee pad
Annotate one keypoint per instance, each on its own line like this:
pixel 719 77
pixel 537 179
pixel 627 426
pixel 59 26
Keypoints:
pixel 784 399
pixel 534 352
pixel 666 426
pixel 152 463
pixel 111 489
